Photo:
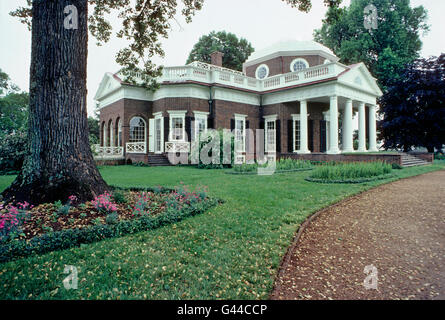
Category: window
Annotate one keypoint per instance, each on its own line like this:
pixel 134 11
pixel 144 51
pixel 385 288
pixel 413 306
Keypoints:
pixel 158 142
pixel 104 135
pixel 137 130
pixel 111 134
pixel 297 133
pixel 299 65
pixel 240 133
pixel 270 134
pixel 262 72
pixel 119 133
pixel 200 123
pixel 177 125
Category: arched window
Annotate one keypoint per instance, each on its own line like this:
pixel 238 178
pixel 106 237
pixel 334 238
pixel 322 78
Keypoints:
pixel 137 130
pixel 111 133
pixel 119 133
pixel 298 65
pixel 104 135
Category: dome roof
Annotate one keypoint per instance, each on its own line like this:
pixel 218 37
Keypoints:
pixel 291 47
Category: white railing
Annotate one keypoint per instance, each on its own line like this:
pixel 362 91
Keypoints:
pixel 175 147
pixel 136 147
pixel 206 73
pixel 108 152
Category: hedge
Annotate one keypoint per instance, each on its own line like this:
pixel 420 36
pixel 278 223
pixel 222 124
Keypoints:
pixel 351 181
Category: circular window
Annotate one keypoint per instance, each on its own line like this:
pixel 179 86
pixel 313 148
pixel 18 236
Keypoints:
pixel 262 72
pixel 298 65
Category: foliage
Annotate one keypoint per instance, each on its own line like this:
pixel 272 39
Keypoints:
pixel 119 196
pixel 282 165
pixel 13 113
pixel 384 51
pixel 6 86
pixel 236 51
pixel 413 109
pixel 396 166
pixel 351 171
pixel 13 150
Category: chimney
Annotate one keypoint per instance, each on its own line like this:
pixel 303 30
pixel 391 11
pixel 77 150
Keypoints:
pixel 216 58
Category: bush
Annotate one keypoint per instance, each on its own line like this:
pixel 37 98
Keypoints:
pixel 282 165
pixel 13 149
pixel 348 172
pixel 396 166
pixel 439 156
pixel 119 197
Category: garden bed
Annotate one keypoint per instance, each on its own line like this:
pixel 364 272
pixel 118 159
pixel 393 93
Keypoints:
pixel 26 230
pixel 353 172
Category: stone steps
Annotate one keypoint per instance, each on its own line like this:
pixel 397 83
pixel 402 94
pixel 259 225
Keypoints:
pixel 412 161
pixel 158 160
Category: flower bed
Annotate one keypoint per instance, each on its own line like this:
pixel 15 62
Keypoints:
pixel 282 166
pixel 356 172
pixel 26 230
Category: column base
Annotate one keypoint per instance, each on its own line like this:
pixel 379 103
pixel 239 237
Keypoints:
pixel 373 150
pixel 337 151
pixel 362 150
pixel 348 151
pixel 303 152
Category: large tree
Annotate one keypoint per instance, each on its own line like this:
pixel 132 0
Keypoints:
pixel 60 162
pixel 413 109
pixel 236 51
pixel 385 50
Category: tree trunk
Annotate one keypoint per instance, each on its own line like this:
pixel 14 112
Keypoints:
pixel 59 161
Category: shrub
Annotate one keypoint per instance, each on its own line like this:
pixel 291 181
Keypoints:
pixel 119 197
pixel 11 219
pixel 396 166
pixel 13 149
pixel 282 165
pixel 351 171
pixel 112 218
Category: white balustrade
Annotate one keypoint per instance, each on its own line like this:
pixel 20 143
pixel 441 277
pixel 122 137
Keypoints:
pixel 175 147
pixel 108 152
pixel 136 147
pixel 203 72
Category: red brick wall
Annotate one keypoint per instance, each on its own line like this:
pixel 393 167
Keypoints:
pixel 281 65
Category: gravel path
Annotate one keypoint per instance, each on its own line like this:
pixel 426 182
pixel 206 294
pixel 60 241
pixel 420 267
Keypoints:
pixel 399 228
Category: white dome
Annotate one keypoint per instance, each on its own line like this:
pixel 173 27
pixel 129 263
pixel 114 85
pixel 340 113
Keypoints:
pixel 291 47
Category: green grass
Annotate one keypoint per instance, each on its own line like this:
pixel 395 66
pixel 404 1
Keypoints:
pixel 231 252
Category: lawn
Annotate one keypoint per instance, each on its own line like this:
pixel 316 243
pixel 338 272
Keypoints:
pixel 231 252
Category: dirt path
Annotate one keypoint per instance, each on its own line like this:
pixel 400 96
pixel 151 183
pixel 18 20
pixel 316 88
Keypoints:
pixel 399 228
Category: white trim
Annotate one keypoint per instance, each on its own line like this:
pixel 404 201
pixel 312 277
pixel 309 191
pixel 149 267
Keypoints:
pixel 293 53
pixel 271 117
pixel 200 115
pixel 179 115
pixel 258 69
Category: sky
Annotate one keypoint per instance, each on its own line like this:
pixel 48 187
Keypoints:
pixel 262 22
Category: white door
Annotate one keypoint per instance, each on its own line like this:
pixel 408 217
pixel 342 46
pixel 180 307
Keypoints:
pixel 151 134
pixel 158 135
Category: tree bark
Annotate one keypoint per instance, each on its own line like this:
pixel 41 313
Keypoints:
pixel 59 161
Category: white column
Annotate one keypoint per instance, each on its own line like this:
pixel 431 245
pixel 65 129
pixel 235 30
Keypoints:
pixel 303 128
pixel 333 126
pixel 347 127
pixel 361 128
pixel 372 129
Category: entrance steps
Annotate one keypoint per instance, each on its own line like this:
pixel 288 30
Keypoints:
pixel 158 160
pixel 412 161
